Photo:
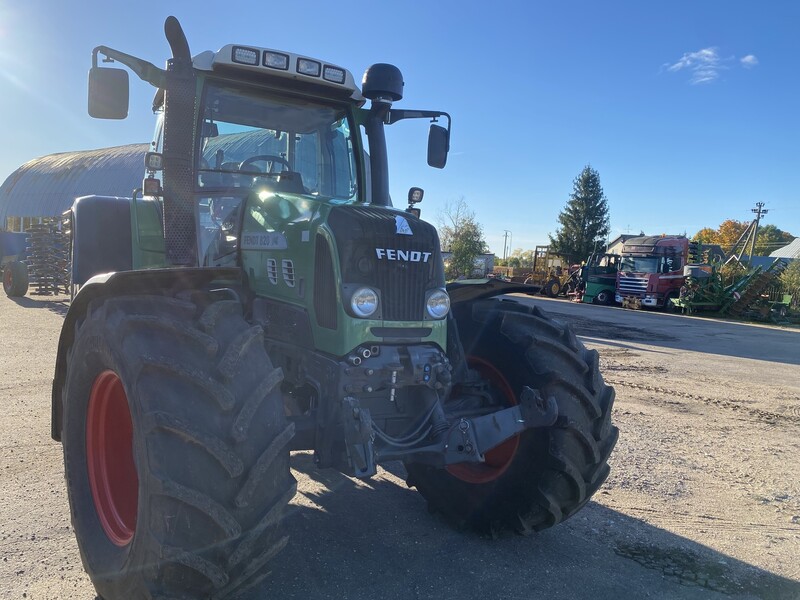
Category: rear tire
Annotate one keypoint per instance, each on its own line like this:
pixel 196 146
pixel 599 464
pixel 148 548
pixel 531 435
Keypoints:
pixel 175 448
pixel 668 305
pixel 553 471
pixel 15 279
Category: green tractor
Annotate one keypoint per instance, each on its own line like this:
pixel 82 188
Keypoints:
pixel 261 295
pixel 598 278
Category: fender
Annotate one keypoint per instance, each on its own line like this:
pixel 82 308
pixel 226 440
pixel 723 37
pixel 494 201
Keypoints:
pixel 480 289
pixel 152 281
pixel 470 290
pixel 101 236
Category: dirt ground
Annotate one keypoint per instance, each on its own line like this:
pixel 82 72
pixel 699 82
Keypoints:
pixel 703 500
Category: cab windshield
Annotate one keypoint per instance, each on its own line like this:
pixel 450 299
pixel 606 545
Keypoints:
pixel 651 264
pixel 631 264
pixel 274 143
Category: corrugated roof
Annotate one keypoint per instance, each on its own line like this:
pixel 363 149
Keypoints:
pixel 758 261
pixel 47 186
pixel 790 251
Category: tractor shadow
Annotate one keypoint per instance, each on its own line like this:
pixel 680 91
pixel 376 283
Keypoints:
pixel 374 539
pixel 56 304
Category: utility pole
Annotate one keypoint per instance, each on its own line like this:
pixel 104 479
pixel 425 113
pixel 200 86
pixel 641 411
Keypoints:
pixel 758 210
pixel 506 242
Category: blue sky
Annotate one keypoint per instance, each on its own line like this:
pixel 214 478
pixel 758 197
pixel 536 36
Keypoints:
pixel 688 109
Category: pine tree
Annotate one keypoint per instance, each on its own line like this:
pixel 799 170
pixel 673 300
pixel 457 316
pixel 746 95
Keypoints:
pixel 584 221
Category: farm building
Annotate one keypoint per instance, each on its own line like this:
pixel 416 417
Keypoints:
pixel 47 186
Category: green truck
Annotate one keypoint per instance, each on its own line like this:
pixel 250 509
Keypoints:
pixel 597 279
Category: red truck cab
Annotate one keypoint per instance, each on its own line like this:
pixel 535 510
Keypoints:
pixel 651 270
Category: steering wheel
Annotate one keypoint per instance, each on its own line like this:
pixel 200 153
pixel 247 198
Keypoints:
pixel 268 158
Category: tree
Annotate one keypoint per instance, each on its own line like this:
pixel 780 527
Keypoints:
pixel 728 233
pixel 790 279
pixel 521 258
pixel 584 221
pixel 706 235
pixel 462 236
pixel 771 238
pixel 450 218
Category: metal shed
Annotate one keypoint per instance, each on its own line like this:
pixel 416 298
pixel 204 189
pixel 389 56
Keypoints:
pixel 791 250
pixel 47 186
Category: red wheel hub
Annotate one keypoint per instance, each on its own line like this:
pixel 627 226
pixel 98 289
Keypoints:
pixel 8 278
pixel 109 456
pixel 498 459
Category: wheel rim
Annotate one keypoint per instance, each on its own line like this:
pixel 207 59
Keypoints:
pixel 498 459
pixel 109 456
pixel 8 279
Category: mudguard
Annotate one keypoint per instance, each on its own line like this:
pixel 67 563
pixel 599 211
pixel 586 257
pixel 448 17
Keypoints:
pixel 478 289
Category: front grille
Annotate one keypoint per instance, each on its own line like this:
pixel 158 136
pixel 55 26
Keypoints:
pixel 630 284
pixel 366 235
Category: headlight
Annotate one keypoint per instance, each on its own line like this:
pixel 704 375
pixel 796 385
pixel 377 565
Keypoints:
pixel 438 304
pixel 364 302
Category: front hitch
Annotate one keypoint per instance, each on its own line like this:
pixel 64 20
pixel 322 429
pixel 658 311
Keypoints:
pixel 466 440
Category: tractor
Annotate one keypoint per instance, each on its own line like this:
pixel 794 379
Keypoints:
pixel 260 295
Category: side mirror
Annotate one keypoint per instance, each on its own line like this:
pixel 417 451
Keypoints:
pixel 108 93
pixel 438 145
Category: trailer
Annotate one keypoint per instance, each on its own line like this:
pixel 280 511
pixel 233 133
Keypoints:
pixel 36 261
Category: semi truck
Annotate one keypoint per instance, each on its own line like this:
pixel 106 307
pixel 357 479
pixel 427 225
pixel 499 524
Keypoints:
pixel 651 271
pixel 260 294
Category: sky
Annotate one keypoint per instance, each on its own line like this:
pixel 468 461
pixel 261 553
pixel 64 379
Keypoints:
pixel 687 109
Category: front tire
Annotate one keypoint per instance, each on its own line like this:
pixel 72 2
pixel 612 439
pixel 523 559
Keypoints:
pixel 544 475
pixel 605 297
pixel 175 448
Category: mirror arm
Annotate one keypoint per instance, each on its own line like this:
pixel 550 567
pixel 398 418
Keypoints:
pixel 146 71
pixel 393 116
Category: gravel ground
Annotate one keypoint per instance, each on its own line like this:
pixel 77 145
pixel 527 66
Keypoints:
pixel 703 500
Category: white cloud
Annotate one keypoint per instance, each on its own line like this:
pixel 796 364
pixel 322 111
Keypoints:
pixel 705 65
pixel 749 61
